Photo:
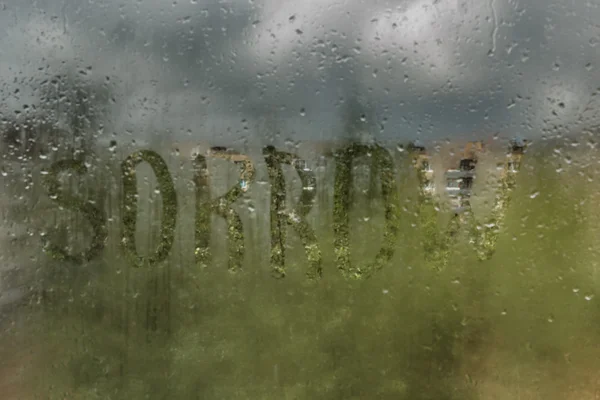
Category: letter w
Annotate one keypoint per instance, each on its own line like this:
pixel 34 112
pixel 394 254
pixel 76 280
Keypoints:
pixel 483 236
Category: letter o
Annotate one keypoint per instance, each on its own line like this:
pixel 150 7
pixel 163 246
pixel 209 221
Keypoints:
pixel 130 193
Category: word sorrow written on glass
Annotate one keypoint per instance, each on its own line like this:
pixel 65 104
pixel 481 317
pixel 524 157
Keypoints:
pixel 438 244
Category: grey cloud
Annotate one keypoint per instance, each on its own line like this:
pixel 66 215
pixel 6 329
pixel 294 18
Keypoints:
pixel 432 69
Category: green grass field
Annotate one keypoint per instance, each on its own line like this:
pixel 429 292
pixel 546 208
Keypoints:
pixel 522 325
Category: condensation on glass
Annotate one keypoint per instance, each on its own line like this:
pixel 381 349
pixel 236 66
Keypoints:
pixel 299 200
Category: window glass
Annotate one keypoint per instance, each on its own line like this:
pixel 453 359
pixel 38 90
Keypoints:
pixel 277 199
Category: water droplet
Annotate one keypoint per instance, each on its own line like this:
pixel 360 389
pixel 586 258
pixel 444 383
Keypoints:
pixel 302 112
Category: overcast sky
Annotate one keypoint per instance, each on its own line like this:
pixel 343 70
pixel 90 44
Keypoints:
pixel 226 70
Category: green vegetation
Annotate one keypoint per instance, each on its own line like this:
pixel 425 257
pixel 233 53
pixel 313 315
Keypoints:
pixel 343 200
pixel 221 206
pixel 296 218
pixel 96 217
pixel 130 214
pixel 523 321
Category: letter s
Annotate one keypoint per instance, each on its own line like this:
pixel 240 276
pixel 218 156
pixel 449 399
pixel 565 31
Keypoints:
pixel 92 213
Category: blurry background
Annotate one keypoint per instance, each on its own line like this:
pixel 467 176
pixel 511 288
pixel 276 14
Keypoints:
pixel 96 81
pixel 207 69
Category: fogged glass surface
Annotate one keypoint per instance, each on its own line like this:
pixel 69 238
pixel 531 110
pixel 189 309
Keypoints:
pixel 299 200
